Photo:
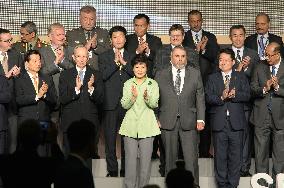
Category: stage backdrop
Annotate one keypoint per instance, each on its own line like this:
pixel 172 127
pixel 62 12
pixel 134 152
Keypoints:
pixel 218 15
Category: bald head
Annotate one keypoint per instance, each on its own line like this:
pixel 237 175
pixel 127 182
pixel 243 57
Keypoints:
pixel 272 53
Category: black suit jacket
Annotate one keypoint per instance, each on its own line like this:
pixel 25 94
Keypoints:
pixel 154 43
pixel 5 97
pixel 218 108
pixel 14 58
pixel 251 42
pixel 81 106
pixel 73 174
pixel 260 75
pixel 114 78
pixel 208 60
pixel 163 58
pixel 28 107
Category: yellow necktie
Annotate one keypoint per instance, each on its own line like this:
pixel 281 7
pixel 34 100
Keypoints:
pixel 5 62
pixel 35 78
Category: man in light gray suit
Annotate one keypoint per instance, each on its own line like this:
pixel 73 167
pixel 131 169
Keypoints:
pixel 182 110
pixel 94 38
pixel 56 58
pixel 267 87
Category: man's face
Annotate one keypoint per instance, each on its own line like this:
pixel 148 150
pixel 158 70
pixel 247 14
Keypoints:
pixel 140 27
pixel 81 57
pixel 5 42
pixel 261 24
pixel 57 36
pixel 195 22
pixel 226 62
pixel 118 39
pixel 26 36
pixel 34 63
pixel 237 37
pixel 178 58
pixel 176 37
pixel 272 57
pixel 88 20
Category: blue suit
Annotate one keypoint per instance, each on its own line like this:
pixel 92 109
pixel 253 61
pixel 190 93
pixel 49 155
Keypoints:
pixel 227 128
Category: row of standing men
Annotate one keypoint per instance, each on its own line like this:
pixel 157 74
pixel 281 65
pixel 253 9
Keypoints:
pixel 202 50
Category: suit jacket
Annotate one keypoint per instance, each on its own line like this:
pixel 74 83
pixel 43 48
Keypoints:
pixel 22 47
pixel 208 60
pixel 114 78
pixel 28 107
pixel 48 67
pixel 5 97
pixel 77 36
pixel 218 108
pixel 154 43
pixel 189 105
pixel 251 42
pixel 260 76
pixel 73 174
pixel 14 58
pixel 81 106
pixel 163 58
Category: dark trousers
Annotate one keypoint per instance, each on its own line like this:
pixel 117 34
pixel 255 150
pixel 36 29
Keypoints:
pixel 263 134
pixel 247 144
pixel 189 140
pixel 227 156
pixel 4 142
pixel 111 123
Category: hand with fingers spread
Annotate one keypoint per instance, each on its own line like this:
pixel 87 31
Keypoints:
pixel 78 83
pixel 91 82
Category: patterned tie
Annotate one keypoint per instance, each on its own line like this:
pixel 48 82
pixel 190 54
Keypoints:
pixel 35 79
pixel 81 75
pixel 88 35
pixel 5 62
pixel 227 81
pixel 178 82
pixel 239 59
pixel 196 39
pixel 141 40
pixel 30 46
pixel 273 73
pixel 261 46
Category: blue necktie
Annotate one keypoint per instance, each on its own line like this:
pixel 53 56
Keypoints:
pixel 273 73
pixel 81 75
pixel 261 46
pixel 273 70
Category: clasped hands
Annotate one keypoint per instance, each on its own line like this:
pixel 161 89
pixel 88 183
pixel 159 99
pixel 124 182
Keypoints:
pixel 228 94
pixel 271 83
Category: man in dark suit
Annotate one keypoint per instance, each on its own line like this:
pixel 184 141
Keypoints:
pixel 29 38
pixel 204 42
pixel 163 56
pixel 95 39
pixel 182 110
pixel 11 65
pixel 267 116
pixel 226 92
pixel 73 172
pixel 262 37
pixel 115 65
pixel 35 93
pixel 143 42
pixel 245 61
pixel 80 93
pixel 5 97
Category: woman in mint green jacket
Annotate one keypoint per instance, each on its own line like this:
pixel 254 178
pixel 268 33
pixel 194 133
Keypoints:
pixel 139 126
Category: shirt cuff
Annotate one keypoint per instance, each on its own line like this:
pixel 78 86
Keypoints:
pixel 36 98
pixel 200 121
pixel 77 91
pixel 277 88
pixel 91 91
pixel 263 91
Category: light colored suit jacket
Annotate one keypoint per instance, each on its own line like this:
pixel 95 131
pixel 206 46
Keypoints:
pixel 190 104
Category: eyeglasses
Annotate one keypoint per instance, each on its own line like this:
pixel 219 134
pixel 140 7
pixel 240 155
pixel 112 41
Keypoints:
pixel 267 56
pixel 8 40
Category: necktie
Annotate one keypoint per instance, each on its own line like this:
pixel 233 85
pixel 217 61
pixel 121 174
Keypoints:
pixel 239 59
pixel 88 35
pixel 81 75
pixel 273 71
pixel 227 81
pixel 261 46
pixel 30 46
pixel 178 82
pixel 197 39
pixel 35 79
pixel 5 62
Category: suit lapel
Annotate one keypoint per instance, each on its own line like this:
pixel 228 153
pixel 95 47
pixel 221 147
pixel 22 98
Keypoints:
pixel 220 81
pixel 170 79
pixel 280 71
pixel 254 43
pixel 87 76
pixel 191 41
